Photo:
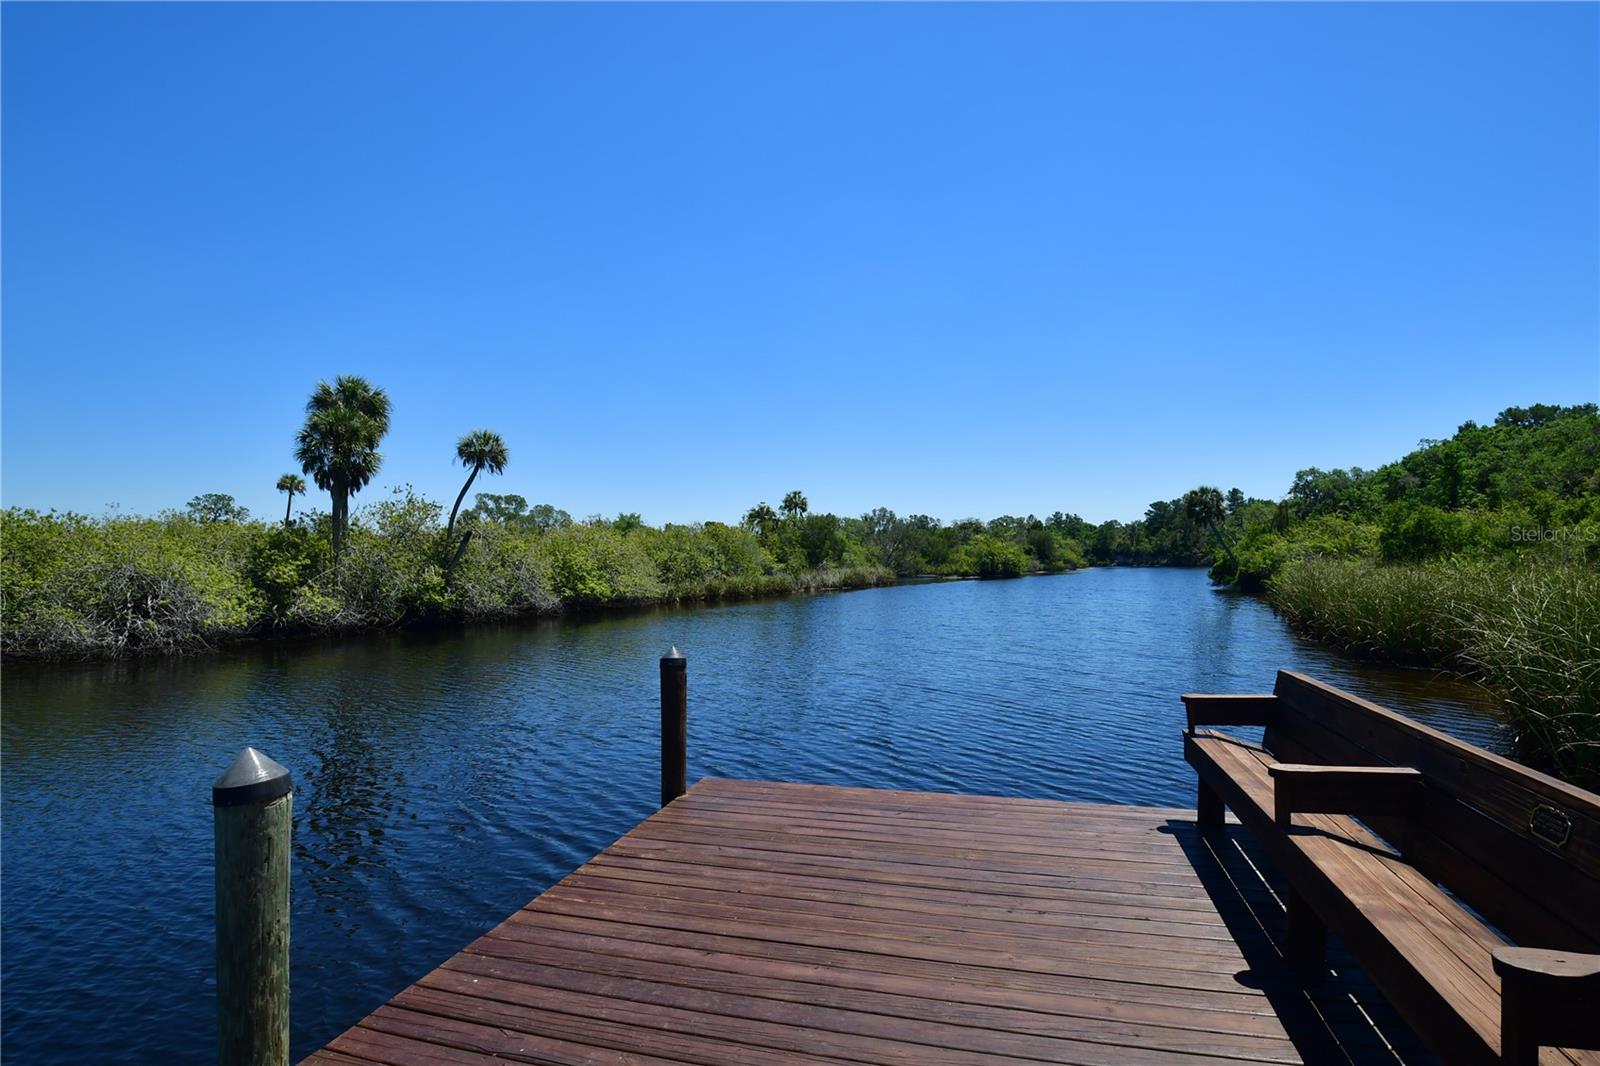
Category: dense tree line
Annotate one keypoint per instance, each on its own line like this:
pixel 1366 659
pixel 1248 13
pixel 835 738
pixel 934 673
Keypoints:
pixel 1478 554
pixel 1529 479
pixel 74 585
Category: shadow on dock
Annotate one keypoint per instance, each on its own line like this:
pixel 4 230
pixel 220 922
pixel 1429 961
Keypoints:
pixel 1332 1014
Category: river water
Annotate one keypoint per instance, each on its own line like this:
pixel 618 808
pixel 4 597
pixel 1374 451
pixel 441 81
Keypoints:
pixel 442 780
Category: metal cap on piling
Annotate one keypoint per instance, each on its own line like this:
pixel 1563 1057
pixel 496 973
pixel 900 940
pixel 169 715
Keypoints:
pixel 673 657
pixel 251 778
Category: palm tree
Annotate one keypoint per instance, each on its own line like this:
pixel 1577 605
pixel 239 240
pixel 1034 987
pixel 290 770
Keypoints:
pixel 795 505
pixel 481 449
pixel 291 484
pixel 761 519
pixel 338 445
pixel 1204 504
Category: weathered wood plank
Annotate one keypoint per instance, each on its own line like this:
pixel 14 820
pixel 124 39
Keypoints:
pixel 730 960
pixel 698 884
pixel 764 923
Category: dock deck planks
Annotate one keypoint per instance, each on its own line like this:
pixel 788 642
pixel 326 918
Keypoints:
pixel 761 923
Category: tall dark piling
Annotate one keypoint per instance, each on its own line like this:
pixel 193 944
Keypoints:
pixel 674 726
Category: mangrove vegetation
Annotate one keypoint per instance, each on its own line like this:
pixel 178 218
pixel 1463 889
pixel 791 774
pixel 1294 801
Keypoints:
pixel 1479 554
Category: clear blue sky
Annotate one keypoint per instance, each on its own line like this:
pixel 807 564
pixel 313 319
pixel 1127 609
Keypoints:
pixel 948 259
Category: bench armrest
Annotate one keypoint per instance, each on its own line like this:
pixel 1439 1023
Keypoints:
pixel 1206 709
pixel 1547 999
pixel 1342 789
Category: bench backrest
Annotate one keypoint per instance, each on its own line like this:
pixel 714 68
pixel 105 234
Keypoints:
pixel 1518 846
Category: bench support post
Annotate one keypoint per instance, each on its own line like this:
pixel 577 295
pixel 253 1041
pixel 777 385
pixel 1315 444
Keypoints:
pixel 1208 808
pixel 1306 939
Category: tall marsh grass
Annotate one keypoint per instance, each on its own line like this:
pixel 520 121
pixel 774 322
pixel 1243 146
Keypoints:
pixel 1526 628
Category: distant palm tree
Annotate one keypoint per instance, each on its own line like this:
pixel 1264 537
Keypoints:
pixel 479 450
pixel 1204 505
pixel 290 483
pixel 761 519
pixel 795 504
pixel 338 445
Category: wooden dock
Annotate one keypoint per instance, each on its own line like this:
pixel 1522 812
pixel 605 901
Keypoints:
pixel 753 924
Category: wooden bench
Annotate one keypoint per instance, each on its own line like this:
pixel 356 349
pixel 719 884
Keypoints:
pixel 1466 885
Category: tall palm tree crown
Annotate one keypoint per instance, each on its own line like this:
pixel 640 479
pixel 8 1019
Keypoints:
pixel 290 483
pixel 482 449
pixel 761 519
pixel 795 504
pixel 338 445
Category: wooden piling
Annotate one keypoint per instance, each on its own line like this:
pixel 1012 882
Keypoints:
pixel 251 806
pixel 674 726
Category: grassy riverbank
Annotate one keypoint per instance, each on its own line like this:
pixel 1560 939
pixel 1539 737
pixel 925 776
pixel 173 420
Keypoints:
pixel 1528 629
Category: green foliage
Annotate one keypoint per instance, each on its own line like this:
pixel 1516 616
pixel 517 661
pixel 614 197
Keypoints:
pixel 338 445
pixel 1414 532
pixel 279 563
pixel 478 451
pixel 988 557
pixel 216 507
pixel 594 565
pixel 509 509
pixel 1394 613
pixel 501 575
pixel 1489 491
pixel 73 587
pixel 1477 554
pixel 1265 549
pixel 392 570
pixel 546 518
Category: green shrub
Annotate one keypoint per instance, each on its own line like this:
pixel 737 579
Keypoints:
pixel 985 556
pixel 590 565
pixel 1264 551
pixel 392 568
pixel 73 587
pixel 502 574
pixel 279 562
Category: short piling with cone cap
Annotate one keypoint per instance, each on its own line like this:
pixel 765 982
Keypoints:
pixel 251 804
pixel 674 725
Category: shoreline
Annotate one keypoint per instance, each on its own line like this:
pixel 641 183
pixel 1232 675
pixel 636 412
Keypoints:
pixel 288 638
